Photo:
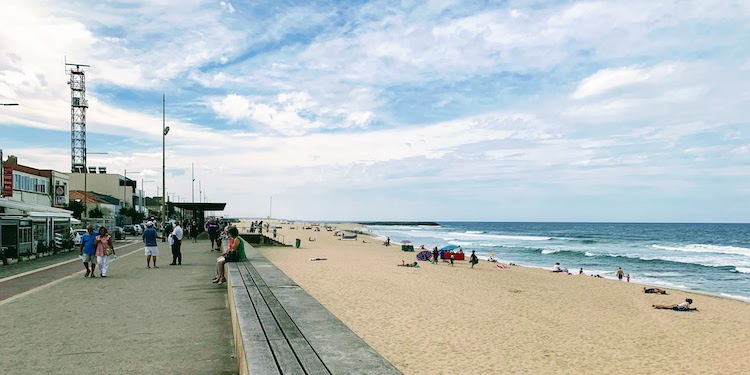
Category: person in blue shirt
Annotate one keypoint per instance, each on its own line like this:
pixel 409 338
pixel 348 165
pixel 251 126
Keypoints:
pixel 88 250
pixel 152 248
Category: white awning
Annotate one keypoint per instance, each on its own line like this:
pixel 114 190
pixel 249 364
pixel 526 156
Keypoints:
pixel 34 208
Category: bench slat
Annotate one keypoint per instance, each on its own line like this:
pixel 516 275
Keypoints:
pixel 305 353
pixel 258 355
pixel 285 357
pixel 308 358
pixel 260 358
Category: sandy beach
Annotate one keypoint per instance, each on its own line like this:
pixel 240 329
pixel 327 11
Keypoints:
pixel 439 319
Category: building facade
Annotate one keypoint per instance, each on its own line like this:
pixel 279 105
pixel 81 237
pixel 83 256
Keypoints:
pixel 31 217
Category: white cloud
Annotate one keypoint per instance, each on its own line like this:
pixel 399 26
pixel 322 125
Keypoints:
pixel 227 6
pixel 608 79
pixel 291 113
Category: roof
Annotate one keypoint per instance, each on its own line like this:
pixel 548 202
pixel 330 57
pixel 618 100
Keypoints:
pixel 93 197
pixel 205 206
pixel 33 208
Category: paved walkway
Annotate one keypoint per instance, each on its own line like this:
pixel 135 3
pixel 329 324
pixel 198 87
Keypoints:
pixel 170 320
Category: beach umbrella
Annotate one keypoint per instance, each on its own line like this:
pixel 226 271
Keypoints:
pixel 405 242
pixel 450 247
pixel 424 255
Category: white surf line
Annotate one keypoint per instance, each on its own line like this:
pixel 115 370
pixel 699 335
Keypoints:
pixel 54 265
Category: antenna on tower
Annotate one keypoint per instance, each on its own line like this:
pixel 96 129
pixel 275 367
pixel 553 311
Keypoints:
pixel 78 106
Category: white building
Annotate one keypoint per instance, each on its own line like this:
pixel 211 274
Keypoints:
pixel 30 209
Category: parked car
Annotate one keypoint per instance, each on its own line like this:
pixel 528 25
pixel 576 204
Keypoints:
pixel 77 233
pixel 119 233
pixel 129 229
pixel 138 229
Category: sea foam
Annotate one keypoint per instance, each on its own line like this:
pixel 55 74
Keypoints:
pixel 700 248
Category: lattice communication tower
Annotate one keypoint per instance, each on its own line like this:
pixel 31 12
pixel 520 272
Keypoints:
pixel 78 106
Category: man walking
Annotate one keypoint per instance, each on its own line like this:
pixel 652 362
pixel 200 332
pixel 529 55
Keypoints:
pixel 176 240
pixel 88 250
pixel 152 248
pixel 620 273
pixel 212 227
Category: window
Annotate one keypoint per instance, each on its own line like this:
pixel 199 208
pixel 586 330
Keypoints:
pixel 31 184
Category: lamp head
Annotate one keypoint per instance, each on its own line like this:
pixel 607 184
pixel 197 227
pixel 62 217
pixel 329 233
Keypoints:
pixel 166 130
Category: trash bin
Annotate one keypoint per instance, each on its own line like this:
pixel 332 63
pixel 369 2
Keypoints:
pixel 297 243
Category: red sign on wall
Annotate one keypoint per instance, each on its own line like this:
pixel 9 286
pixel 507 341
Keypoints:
pixel 7 181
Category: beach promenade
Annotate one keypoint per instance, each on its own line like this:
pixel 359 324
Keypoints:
pixel 170 320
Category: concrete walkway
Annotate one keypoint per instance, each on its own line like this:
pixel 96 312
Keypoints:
pixel 170 320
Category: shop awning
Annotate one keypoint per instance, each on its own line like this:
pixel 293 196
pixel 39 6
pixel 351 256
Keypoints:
pixel 29 208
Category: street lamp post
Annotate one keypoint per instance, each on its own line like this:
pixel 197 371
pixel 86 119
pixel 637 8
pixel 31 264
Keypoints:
pixel 164 131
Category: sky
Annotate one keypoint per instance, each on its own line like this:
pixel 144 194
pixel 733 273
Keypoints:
pixel 437 110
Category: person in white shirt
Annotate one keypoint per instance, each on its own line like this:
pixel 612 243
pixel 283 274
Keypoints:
pixel 175 241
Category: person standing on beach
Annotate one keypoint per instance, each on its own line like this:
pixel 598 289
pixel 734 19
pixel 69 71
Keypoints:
pixel 435 255
pixel 453 257
pixel 152 249
pixel 620 273
pixel 104 249
pixel 473 259
pixel 88 250
pixel 176 240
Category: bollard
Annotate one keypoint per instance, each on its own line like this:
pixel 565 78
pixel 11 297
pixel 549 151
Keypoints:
pixel 297 243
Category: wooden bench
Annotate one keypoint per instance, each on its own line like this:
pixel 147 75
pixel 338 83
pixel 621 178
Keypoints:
pixel 280 329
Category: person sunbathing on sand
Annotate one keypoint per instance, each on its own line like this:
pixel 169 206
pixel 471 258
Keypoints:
pixel 654 290
pixel 684 306
pixel 415 264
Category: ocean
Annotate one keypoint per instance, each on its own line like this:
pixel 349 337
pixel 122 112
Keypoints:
pixel 707 258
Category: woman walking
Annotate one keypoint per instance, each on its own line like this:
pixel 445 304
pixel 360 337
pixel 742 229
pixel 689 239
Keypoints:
pixel 104 250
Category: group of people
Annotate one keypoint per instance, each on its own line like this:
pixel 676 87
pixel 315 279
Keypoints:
pixel 99 248
pixel 258 226
pixel 619 273
pixel 215 228
pixel 174 234
pixel 683 306
pixel 96 249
